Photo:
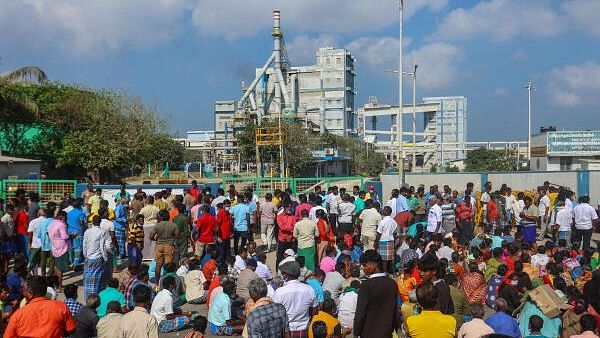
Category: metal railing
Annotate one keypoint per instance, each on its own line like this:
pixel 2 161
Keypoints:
pixel 261 185
pixel 48 190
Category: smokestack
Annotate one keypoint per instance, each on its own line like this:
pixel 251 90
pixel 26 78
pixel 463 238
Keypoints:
pixel 277 24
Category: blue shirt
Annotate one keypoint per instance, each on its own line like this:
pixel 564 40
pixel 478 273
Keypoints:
pixel 496 242
pixel 42 233
pixel 551 327
pixel 317 287
pixel 220 309
pixel 239 213
pixel 120 216
pixel 74 219
pixel 15 283
pixel 401 204
pixel 106 296
pixel 504 324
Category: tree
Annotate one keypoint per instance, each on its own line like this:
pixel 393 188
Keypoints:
pixel 483 159
pixel 17 110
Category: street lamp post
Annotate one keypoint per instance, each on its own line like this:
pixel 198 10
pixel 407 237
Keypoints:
pixel 399 126
pixel 529 88
pixel 414 119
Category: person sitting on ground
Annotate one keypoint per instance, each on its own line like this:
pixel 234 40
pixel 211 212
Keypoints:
pixel 195 283
pixel 87 319
pixel 138 322
pixel 264 318
pixel 535 327
pixel 421 326
pixel 71 299
pixel 169 318
pixel 109 326
pixel 108 295
pixel 347 305
pixel 219 314
pixel 588 327
pixel 170 269
pixel 476 327
pixel 245 277
pixel 502 322
pixel 198 324
pixel 319 329
pixel 326 314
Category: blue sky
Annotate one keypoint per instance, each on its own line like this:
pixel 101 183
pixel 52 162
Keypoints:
pixel 181 55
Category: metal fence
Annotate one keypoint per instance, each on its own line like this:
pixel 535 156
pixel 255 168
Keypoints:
pixel 48 190
pixel 261 186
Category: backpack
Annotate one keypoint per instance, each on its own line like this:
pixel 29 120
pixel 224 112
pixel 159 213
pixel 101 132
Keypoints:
pixel 492 288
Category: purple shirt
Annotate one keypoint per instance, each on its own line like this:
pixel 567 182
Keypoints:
pixel 57 232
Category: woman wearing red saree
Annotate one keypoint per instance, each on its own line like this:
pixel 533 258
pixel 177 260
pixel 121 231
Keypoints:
pixel 473 285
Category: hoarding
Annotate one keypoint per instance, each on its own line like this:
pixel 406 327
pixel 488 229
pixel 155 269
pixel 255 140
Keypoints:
pixel 570 143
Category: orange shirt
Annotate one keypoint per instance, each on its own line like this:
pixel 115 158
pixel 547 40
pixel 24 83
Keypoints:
pixel 41 317
pixel 405 286
pixel 173 213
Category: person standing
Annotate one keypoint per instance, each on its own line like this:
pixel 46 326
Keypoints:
pixel 392 201
pixel 305 231
pixel 529 218
pixel 150 212
pixel 369 220
pixel 96 245
pixel 384 240
pixel 183 225
pixel 165 233
pixel 93 202
pixel 47 261
pixel 420 326
pixel 135 240
pixel 434 219
pixel 206 225
pixel 585 220
pixel 21 220
pixel 57 232
pixel 267 212
pixel 345 212
pixel 34 241
pixel 76 225
pixel 544 209
pixel 41 317
pixel 241 223
pixel 7 237
pixel 285 236
pixel 120 224
pixel 464 220
pixel 224 229
pixel 298 299
pixel 376 307
pixel 332 202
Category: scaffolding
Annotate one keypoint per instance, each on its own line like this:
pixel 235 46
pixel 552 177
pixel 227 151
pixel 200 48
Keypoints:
pixel 265 137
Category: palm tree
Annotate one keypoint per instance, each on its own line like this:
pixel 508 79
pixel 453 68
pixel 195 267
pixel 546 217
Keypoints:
pixel 14 98
pixel 23 74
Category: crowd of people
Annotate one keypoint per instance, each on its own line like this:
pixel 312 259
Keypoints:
pixel 347 263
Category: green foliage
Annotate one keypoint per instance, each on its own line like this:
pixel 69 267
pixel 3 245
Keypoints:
pixel 483 159
pixel 82 130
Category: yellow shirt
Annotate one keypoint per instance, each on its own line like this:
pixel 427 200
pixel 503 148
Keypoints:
pixel 330 321
pixel 419 326
pixel 162 205
pixel 275 201
pixel 111 215
pixel 94 202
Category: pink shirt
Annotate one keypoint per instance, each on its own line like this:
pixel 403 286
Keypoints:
pixel 327 264
pixel 586 334
pixel 300 207
pixel 57 232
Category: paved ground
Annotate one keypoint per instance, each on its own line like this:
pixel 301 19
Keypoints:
pixel 72 277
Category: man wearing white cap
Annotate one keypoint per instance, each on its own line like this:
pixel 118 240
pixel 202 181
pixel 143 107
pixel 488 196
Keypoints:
pixel 290 256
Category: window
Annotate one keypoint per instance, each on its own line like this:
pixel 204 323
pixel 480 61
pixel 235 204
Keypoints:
pixel 566 163
pixel 338 60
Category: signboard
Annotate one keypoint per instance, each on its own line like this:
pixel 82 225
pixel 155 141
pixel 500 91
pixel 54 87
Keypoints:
pixel 571 143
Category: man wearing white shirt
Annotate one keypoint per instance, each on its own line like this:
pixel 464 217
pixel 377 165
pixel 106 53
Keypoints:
pixel 510 201
pixel 384 240
pixel 434 219
pixel 317 205
pixel 544 208
pixel 563 218
pixel 168 318
pixel 392 201
pixel 585 219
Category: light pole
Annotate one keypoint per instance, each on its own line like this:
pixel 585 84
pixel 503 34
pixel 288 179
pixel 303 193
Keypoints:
pixel 414 119
pixel 399 126
pixel 529 88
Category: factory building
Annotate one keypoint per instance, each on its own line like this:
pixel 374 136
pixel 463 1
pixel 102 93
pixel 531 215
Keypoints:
pixel 448 127
pixel 553 150
pixel 330 81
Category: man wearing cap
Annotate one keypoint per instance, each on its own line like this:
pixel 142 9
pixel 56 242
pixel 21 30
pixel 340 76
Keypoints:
pixel 376 308
pixel 289 256
pixel 298 299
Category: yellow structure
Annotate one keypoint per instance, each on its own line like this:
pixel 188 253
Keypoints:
pixel 267 136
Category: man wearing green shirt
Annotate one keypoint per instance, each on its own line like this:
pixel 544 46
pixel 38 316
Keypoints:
pixel 111 293
pixel 181 243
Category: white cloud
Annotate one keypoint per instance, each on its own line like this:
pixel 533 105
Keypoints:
pixel 437 61
pixel 229 18
pixel 83 27
pixel 519 55
pixel 583 14
pixel 574 85
pixel 500 91
pixel 502 20
pixel 301 50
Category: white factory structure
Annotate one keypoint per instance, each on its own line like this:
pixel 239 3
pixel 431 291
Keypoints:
pixel 322 97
